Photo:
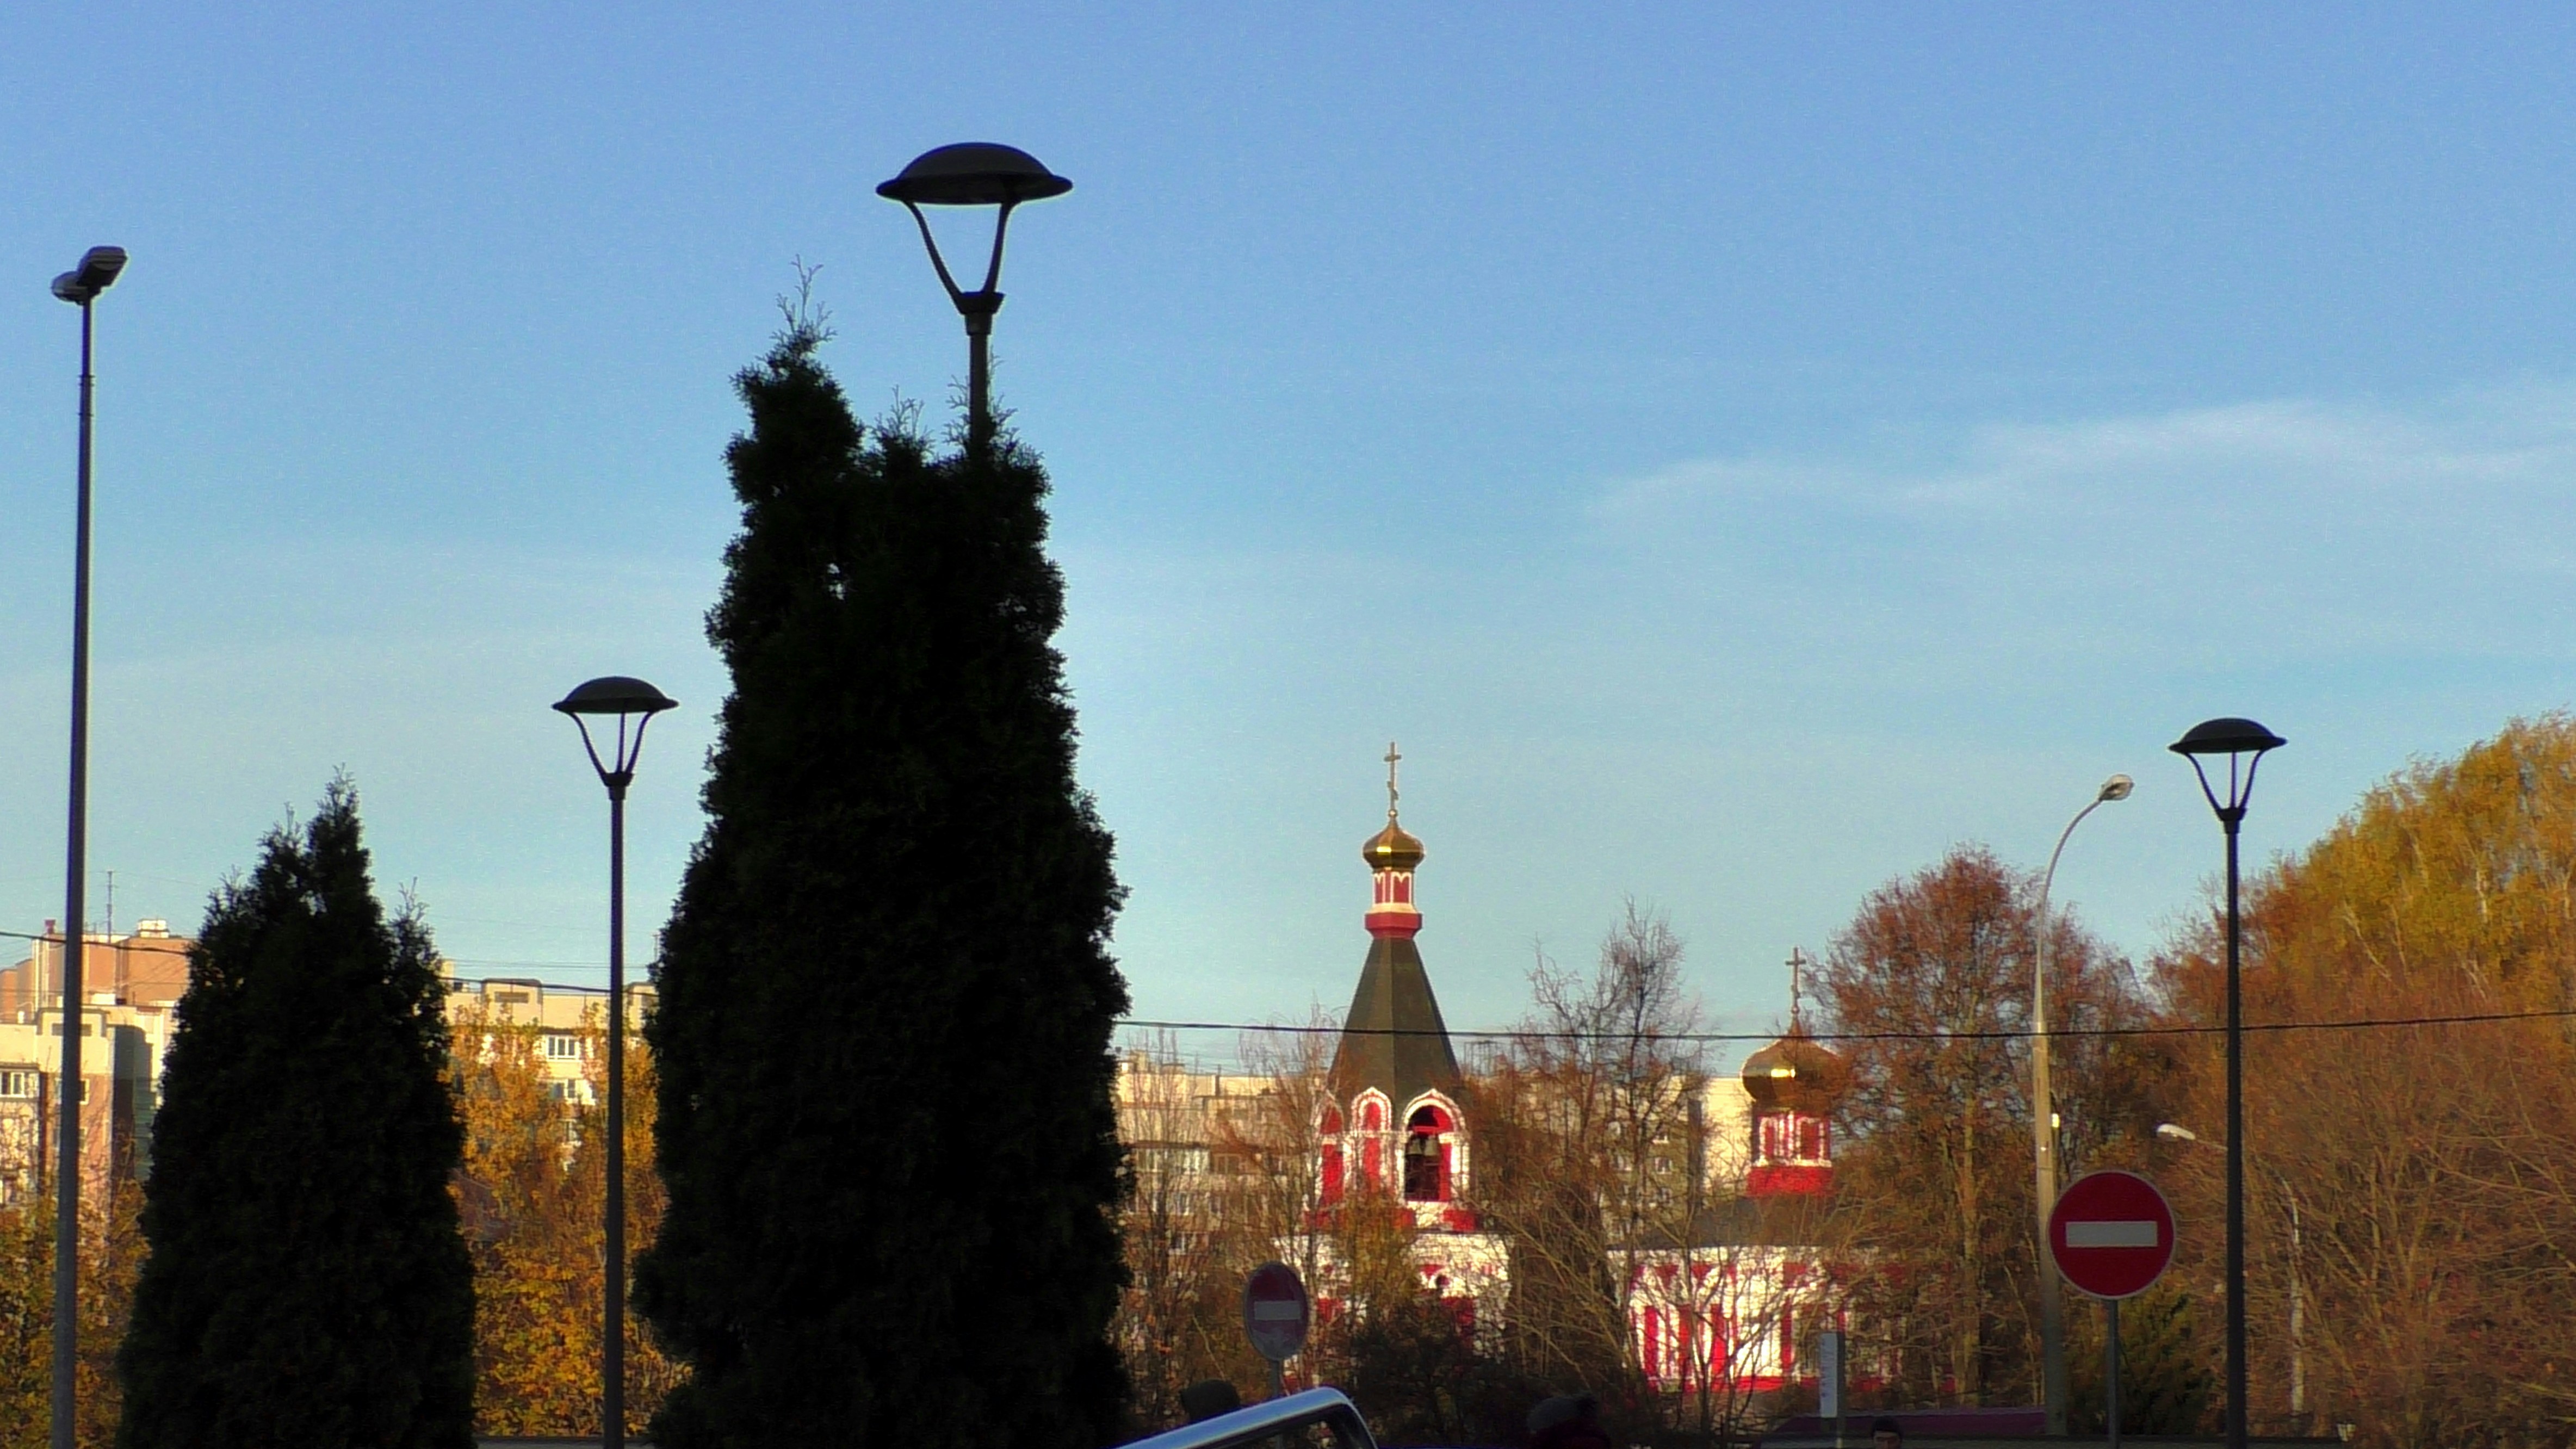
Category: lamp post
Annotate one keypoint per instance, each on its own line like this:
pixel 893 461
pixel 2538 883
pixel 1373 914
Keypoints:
pixel 80 286
pixel 2043 1125
pixel 634 703
pixel 2244 743
pixel 974 173
pixel 2176 1132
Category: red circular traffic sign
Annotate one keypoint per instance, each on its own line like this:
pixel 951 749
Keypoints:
pixel 2111 1233
pixel 1274 1311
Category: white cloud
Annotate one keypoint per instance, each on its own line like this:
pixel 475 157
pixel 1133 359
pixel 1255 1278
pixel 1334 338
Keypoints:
pixel 2286 526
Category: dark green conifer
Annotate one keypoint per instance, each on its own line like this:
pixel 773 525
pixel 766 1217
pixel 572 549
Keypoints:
pixel 306 1283
pixel 885 994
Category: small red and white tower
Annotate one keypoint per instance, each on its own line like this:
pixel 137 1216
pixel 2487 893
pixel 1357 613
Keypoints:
pixel 1392 855
pixel 1390 1136
pixel 1392 1123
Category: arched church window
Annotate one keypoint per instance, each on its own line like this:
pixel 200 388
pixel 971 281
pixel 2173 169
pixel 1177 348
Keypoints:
pixel 1373 1144
pixel 1426 1157
pixel 1329 1178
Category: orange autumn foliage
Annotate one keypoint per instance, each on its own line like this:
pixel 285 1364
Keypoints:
pixel 2409 1189
pixel 531 1195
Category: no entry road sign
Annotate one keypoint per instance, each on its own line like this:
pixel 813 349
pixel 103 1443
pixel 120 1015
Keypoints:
pixel 2111 1233
pixel 1274 1312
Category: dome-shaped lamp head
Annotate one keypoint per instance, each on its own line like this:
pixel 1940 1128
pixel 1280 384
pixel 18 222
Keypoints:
pixel 634 703
pixel 972 173
pixel 2244 743
pixel 96 273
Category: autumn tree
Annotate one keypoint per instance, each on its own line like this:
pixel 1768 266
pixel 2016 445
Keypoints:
pixel 1272 1196
pixel 1930 984
pixel 2169 1362
pixel 27 1323
pixel 1394 1345
pixel 531 1193
pixel 1175 1318
pixel 1594 1155
pixel 2409 1187
pixel 111 1252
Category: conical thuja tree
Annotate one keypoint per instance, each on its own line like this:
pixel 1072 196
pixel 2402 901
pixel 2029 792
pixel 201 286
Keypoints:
pixel 306 1283
pixel 885 995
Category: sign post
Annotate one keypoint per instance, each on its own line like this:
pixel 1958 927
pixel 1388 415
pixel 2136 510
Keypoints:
pixel 1275 1314
pixel 1829 1380
pixel 2111 1368
pixel 2112 1235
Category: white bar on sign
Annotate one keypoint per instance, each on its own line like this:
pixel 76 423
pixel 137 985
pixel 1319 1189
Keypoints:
pixel 2111 1235
pixel 1275 1310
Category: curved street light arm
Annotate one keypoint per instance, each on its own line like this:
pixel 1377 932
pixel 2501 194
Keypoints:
pixel 2231 813
pixel 2047 882
pixel 2050 878
pixel 931 243
pixel 1001 227
pixel 630 748
pixel 983 300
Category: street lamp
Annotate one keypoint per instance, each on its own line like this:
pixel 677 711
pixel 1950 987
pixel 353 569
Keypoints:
pixel 2244 743
pixel 2043 1125
pixel 634 703
pixel 80 286
pixel 974 173
pixel 2176 1132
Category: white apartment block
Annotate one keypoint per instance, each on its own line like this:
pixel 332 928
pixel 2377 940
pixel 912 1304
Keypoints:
pixel 131 984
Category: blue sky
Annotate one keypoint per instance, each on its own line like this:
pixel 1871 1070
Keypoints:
pixel 1741 451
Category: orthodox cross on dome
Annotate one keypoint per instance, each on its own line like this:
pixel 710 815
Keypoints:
pixel 1392 854
pixel 1797 966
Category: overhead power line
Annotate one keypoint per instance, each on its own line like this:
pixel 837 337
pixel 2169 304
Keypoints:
pixel 1706 1038
pixel 122 943
pixel 179 947
pixel 2359 1023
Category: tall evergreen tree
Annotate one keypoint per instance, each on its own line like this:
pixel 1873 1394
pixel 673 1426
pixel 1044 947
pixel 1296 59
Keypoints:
pixel 886 999
pixel 307 1283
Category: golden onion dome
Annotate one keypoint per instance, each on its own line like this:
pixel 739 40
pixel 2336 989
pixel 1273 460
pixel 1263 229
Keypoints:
pixel 1797 1073
pixel 1393 848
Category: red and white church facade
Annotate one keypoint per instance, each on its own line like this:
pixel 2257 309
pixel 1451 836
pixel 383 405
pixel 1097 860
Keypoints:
pixel 1726 1300
pixel 1729 1304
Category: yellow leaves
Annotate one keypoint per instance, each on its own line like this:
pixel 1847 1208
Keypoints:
pixel 532 1194
pixel 111 1250
pixel 2408 1188
pixel 2457 874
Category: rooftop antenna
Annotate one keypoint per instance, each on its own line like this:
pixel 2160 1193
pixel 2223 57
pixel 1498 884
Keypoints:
pixel 111 905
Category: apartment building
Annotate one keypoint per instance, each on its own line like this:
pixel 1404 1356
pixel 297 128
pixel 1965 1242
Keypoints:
pixel 130 984
pixel 571 1023
pixel 131 987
